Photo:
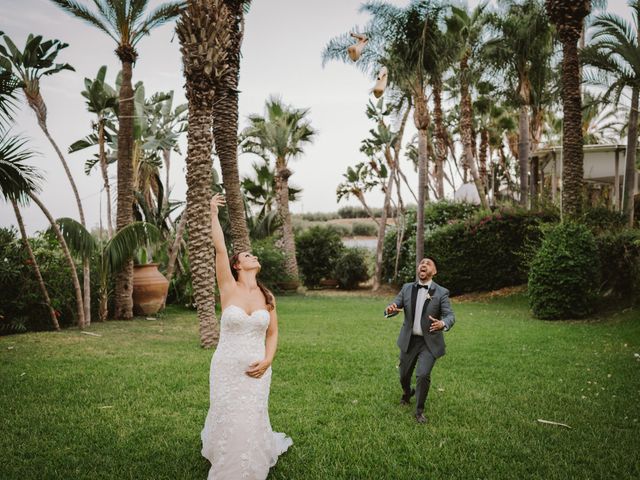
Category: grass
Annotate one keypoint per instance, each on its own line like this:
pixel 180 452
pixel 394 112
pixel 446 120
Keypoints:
pixel 130 404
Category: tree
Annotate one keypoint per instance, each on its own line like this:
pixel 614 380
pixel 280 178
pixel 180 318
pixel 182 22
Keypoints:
pixel 111 254
pixel 615 53
pixel 225 125
pixel 122 21
pixel 204 47
pixel 281 133
pixel 522 51
pixel 567 16
pixel 16 181
pixel 101 99
pixel 29 66
pixel 468 28
pixel 261 190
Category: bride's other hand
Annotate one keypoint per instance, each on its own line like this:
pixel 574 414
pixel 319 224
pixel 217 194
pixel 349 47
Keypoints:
pixel 217 201
pixel 257 369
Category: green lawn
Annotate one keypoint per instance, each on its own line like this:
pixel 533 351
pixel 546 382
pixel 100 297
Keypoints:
pixel 130 404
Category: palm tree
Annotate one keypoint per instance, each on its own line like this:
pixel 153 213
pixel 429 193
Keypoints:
pixel 225 125
pixel 615 53
pixel 122 21
pixel 522 50
pixel 280 133
pixel 111 254
pixel 101 99
pixel 261 190
pixel 357 181
pixel 469 28
pixel 29 66
pixel 403 41
pixel 204 47
pixel 567 16
pixel 17 180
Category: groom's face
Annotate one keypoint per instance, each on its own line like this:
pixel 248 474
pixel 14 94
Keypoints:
pixel 426 269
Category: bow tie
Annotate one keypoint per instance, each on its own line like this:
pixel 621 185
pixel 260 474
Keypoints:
pixel 423 286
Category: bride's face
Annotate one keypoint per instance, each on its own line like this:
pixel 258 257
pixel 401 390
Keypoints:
pixel 247 261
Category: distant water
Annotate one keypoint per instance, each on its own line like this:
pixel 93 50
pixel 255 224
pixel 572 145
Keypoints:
pixel 365 242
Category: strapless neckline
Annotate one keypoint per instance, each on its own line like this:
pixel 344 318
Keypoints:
pixel 244 311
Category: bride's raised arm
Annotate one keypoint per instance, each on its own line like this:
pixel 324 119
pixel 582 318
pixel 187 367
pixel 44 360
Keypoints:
pixel 223 269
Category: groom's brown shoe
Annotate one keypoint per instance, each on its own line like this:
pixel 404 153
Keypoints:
pixel 420 418
pixel 405 398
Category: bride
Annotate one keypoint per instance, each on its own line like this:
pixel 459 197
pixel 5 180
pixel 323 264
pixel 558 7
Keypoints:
pixel 237 438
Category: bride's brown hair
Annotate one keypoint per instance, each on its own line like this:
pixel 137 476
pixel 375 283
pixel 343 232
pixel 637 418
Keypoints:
pixel 268 296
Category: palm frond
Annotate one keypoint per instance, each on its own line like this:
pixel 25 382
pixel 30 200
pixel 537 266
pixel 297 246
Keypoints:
pixel 80 242
pixel 16 178
pixel 82 12
pixel 124 243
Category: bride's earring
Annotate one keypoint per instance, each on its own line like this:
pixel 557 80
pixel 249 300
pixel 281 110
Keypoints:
pixel 354 51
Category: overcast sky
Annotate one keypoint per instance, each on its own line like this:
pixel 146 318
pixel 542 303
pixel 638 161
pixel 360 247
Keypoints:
pixel 281 55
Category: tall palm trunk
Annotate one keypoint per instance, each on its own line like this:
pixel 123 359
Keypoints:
pixel 441 138
pixel 421 121
pixel 124 278
pixel 166 155
pixel 523 154
pixel 466 130
pixel 67 255
pixel 199 180
pixel 377 278
pixel 36 102
pixel 225 132
pixel 175 247
pixel 630 159
pixel 105 174
pixel 482 157
pixel 36 268
pixel 572 141
pixel 282 198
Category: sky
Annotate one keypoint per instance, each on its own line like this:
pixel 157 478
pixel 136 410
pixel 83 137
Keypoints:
pixel 281 55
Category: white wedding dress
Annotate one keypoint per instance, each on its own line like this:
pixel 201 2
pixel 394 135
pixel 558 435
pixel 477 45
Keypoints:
pixel 237 438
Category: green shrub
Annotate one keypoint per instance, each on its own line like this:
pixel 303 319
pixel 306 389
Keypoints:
pixel 340 229
pixel 438 214
pixel 480 253
pixel 364 229
pixel 563 278
pixel 352 212
pixel 619 253
pixel 271 260
pixel 22 307
pixel 351 268
pixel 602 220
pixel 317 251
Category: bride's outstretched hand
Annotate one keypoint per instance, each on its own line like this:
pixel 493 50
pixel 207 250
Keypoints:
pixel 257 369
pixel 217 201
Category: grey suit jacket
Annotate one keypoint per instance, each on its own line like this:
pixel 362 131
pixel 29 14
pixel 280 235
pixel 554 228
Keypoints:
pixel 438 307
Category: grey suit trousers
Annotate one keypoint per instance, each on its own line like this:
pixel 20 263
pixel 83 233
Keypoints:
pixel 418 354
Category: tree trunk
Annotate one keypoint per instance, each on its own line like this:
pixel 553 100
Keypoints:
pixel 36 268
pixel 377 279
pixel 441 138
pixel 36 102
pixel 482 156
pixel 166 155
pixel 523 154
pixel 421 121
pixel 225 132
pixel 124 278
pixel 105 174
pixel 199 179
pixel 572 141
pixel 282 199
pixel 80 310
pixel 175 248
pixel 630 159
pixel 360 196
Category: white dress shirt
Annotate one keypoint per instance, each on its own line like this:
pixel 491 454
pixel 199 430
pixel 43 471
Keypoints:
pixel 420 299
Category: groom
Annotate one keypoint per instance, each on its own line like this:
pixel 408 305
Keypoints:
pixel 427 313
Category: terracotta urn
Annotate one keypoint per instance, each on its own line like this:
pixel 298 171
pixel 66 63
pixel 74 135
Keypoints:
pixel 149 289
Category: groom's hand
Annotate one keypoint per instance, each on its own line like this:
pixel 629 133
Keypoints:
pixel 392 309
pixel 436 325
